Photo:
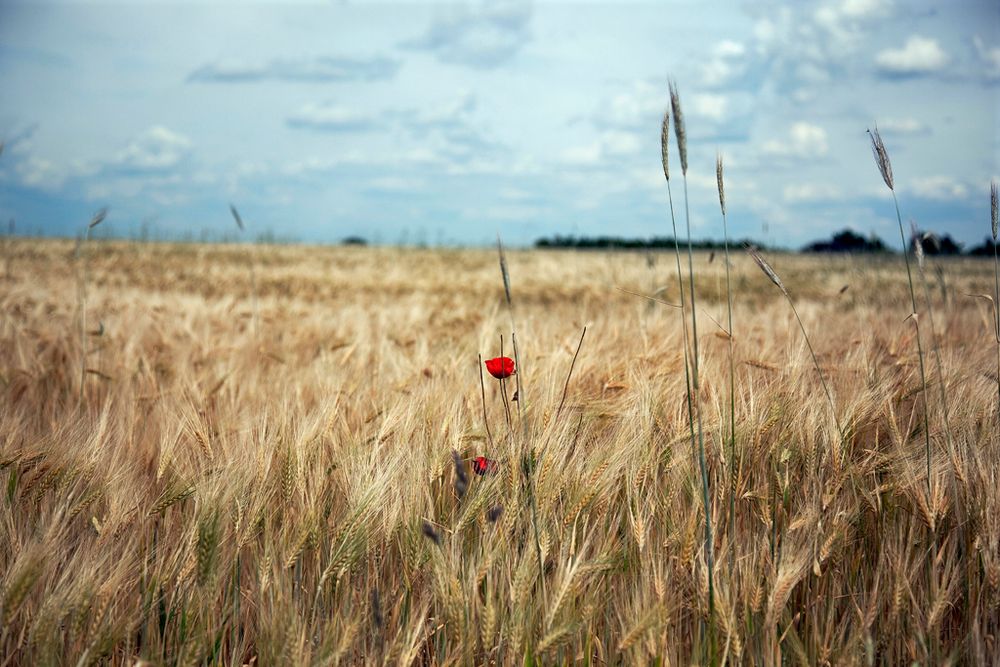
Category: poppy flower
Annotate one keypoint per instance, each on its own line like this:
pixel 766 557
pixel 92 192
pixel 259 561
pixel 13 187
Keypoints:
pixel 482 466
pixel 501 367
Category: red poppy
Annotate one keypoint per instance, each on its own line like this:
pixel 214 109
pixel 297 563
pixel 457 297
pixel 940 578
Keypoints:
pixel 501 367
pixel 482 466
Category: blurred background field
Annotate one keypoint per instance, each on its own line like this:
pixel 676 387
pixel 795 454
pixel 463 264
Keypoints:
pixel 264 430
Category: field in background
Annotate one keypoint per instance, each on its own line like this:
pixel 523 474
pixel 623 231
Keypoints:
pixel 224 496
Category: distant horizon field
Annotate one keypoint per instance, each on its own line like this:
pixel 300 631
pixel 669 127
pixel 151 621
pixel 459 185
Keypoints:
pixel 263 454
pixel 706 244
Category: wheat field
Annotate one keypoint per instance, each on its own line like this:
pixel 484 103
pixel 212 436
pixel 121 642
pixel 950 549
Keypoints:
pixel 258 467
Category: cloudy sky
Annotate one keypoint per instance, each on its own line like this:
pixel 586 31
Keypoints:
pixel 449 123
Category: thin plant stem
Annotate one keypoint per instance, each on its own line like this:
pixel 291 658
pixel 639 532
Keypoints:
pixel 83 313
pixel 732 365
pixel 696 389
pixel 994 230
pixel 920 347
pixel 996 314
pixel 532 477
pixel 819 370
pixel 570 374
pixel 680 286
pixel 97 219
pixel 503 397
pixel 482 389
pixel 937 355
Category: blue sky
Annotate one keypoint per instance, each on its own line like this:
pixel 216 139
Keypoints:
pixel 432 122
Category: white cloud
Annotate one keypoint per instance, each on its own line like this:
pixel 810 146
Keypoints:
pixel 902 126
pixel 396 184
pixel 726 62
pixel 484 35
pixel 939 188
pixel 609 145
pixel 842 22
pixel 920 55
pixel 801 48
pixel 863 8
pixel 329 117
pixel 709 105
pixel 442 116
pixel 40 173
pixel 804 141
pixel 634 107
pixel 156 149
pixel 990 56
pixel 321 69
pixel 810 192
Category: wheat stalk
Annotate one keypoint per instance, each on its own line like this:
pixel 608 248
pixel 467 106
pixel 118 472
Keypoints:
pixel 935 346
pixel 97 219
pixel 885 168
pixel 994 224
pixel 732 367
pixel 681 135
pixel 773 277
pixel 253 273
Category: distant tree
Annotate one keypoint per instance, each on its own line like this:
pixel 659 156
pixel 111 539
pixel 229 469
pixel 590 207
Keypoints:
pixel 847 241
pixel 985 249
pixel 619 242
pixel 353 240
pixel 938 245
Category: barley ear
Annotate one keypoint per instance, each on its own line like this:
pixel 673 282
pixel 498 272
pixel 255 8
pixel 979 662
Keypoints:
pixel 718 179
pixel 766 268
pixel 918 246
pixel 881 157
pixel 503 271
pixel 993 208
pixel 665 143
pixel 236 217
pixel 675 105
pixel 207 548
pixel 98 218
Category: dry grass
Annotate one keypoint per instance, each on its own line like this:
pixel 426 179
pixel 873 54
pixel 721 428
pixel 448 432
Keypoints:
pixel 290 497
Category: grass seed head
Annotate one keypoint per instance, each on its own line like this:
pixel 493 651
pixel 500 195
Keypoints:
pixel 679 132
pixel 993 209
pixel 665 143
pixel 881 157
pixel 207 548
pixel 237 218
pixel 98 218
pixel 918 246
pixel 718 179
pixel 766 268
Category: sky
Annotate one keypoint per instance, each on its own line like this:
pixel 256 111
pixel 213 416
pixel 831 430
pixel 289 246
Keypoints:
pixel 419 122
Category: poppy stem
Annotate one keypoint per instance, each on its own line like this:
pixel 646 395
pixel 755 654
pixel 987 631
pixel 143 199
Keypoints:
pixel 482 389
pixel 503 394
